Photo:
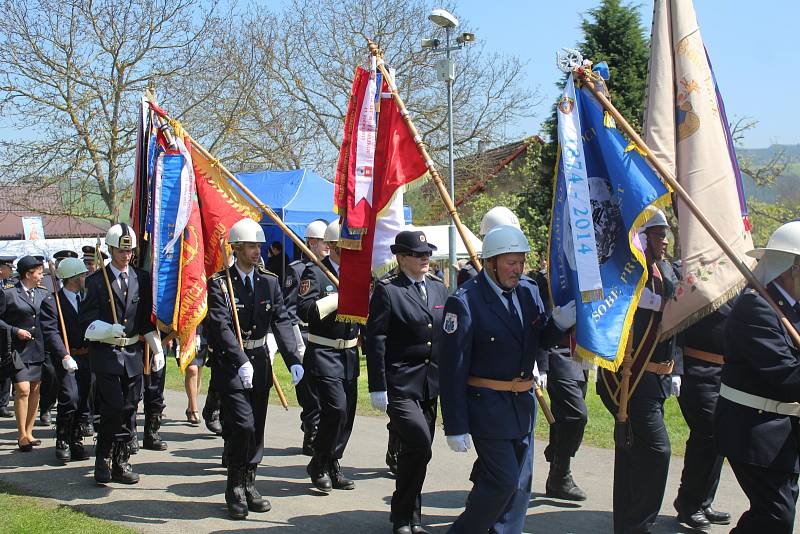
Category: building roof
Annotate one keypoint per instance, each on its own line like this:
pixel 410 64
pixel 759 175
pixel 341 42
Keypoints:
pixel 15 203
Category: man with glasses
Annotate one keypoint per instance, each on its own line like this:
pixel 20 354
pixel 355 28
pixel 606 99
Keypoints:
pixel 404 332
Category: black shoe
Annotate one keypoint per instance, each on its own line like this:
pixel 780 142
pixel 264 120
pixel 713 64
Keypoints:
pixel 5 412
pixel 235 493
pixel 102 470
pixel 418 529
pixel 717 518
pixel 696 519
pixel 44 419
pixel 317 470
pixel 28 447
pixel 212 422
pixel 152 440
pixel 77 451
pixel 62 441
pixel 86 429
pixel 255 502
pixel 401 527
pixel 338 480
pixel 121 470
pixel 563 487
pixel 391 462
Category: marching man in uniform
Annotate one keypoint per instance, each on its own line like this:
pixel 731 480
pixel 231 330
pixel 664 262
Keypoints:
pixel 757 420
pixel 494 326
pixel 116 351
pixel 242 373
pixel 331 358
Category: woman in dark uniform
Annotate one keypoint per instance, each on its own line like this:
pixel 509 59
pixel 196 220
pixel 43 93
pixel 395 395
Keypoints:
pixel 20 307
pixel 402 344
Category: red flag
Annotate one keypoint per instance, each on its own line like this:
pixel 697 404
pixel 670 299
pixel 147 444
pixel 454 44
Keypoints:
pixel 397 162
pixel 192 288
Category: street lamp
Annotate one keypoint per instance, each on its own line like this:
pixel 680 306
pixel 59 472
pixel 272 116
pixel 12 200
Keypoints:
pixel 446 72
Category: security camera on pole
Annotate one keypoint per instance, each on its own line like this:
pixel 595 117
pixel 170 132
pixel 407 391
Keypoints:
pixel 446 72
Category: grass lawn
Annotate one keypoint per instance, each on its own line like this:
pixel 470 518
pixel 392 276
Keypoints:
pixel 30 514
pixel 599 430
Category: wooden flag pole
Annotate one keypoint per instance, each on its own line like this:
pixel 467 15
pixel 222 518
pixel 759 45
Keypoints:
pixel 622 436
pixel 437 178
pixel 585 77
pixel 53 276
pixel 266 209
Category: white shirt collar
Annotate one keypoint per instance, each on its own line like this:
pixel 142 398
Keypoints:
pixel 413 280
pixel 787 296
pixel 117 271
pixel 335 265
pixel 243 275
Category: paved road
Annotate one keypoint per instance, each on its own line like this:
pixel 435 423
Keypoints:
pixel 182 489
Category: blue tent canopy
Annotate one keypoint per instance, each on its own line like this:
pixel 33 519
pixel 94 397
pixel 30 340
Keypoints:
pixel 298 197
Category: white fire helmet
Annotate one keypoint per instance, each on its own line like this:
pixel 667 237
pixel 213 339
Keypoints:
pixel 246 231
pixel 69 267
pixel 498 216
pixel 121 236
pixel 780 254
pixel 332 232
pixel 503 240
pixel 316 229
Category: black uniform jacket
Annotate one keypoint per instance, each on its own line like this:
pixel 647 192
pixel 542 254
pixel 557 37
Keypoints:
pixel 760 359
pixel 480 340
pixel 256 315
pixel 319 359
pixel 134 313
pixel 557 365
pixel 75 337
pixel 708 335
pixel 404 335
pixel 38 317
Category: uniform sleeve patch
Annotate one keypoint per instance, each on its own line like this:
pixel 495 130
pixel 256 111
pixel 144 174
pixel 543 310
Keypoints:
pixel 450 323
pixel 305 286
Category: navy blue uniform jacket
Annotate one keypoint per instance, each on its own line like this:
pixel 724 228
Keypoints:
pixel 38 317
pixel 485 344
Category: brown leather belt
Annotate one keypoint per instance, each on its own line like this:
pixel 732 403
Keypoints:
pixel 516 385
pixel 79 352
pixel 709 357
pixel 660 368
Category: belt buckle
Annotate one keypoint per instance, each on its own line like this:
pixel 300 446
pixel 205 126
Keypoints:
pixel 340 344
pixel 514 382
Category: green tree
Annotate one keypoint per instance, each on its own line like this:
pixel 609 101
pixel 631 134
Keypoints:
pixel 613 33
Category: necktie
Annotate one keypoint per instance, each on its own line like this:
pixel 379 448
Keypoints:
pixel 123 284
pixel 31 293
pixel 511 308
pixel 422 292
pixel 248 287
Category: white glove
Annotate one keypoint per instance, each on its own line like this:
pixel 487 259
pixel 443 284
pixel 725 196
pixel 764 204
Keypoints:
pixel 69 365
pixel 297 373
pixel 101 330
pixel 649 300
pixel 246 374
pixel 564 316
pixel 153 339
pixel 676 386
pixel 327 305
pixel 542 380
pixel 117 330
pixel 380 400
pixel 460 443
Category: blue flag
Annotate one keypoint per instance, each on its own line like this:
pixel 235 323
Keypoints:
pixel 602 194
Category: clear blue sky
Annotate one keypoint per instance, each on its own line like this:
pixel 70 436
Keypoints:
pixel 752 45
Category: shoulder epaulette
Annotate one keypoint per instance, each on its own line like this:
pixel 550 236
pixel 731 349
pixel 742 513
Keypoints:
pixel 40 286
pixel 8 285
pixel 388 279
pixel 263 270
pixel 217 275
pixel 295 262
pixel 434 277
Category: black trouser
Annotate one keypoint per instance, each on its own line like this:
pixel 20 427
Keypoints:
pixel 567 402
pixel 85 379
pixel 640 472
pixel 154 391
pixel 308 398
pixel 245 415
pixel 48 392
pixel 212 402
pixel 116 400
pixel 74 391
pixel 702 463
pixel 413 422
pixel 5 391
pixel 772 495
pixel 337 398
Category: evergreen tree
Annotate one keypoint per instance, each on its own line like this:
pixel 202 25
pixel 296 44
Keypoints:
pixel 613 33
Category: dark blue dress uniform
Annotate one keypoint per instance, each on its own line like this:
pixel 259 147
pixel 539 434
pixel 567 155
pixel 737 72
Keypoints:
pixel 259 309
pixel 21 309
pixel 482 341
pixel 74 391
pixel 640 471
pixel 466 273
pixel 306 390
pixel 761 445
pixel 703 345
pixel 117 369
pixel 334 370
pixel 403 340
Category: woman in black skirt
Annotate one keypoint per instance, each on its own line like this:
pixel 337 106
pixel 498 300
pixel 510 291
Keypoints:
pixel 21 305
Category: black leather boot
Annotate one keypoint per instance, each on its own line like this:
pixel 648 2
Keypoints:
pixel 317 469
pixel 560 484
pixel 62 439
pixel 102 461
pixel 235 493
pixel 76 449
pixel 309 434
pixel 255 502
pixel 86 428
pixel 211 418
pixel 338 480
pixel 133 445
pixel 121 470
pixel 152 441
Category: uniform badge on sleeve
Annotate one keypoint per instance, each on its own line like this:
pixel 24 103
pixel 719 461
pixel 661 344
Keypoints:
pixel 288 283
pixel 450 323
pixel 305 286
